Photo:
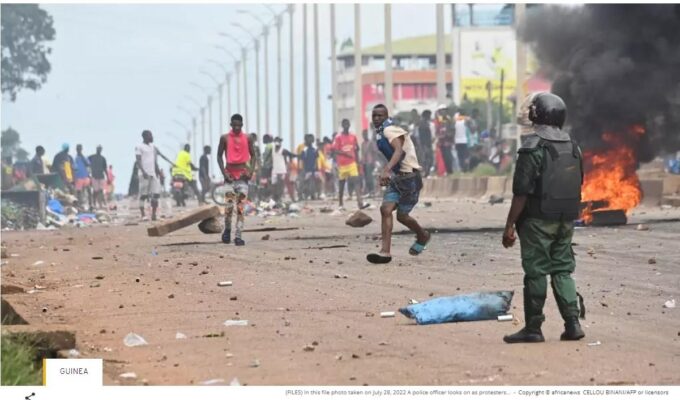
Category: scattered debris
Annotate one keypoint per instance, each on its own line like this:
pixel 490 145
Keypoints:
pixel 495 199
pixel 40 262
pixel 308 347
pixel 370 314
pixel 134 340
pixel 642 227
pixel 211 225
pixel 212 381
pixel 412 301
pixel 255 364
pixel 233 298
pixel 236 322
pixel 73 353
pixel 128 375
pixel 669 304
pixel 358 220
pixel 266 237
pixel 505 318
pixel 235 382
pixel 387 314
pixel 224 283
pixel 595 343
pixel 180 336
pixel 184 220
pixel 97 258
pixel 652 261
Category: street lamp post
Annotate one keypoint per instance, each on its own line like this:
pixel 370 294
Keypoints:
pixel 317 84
pixel 245 69
pixel 291 9
pixel 265 39
pixel 209 95
pixel 238 84
pixel 220 86
pixel 227 78
pixel 334 77
pixel 358 108
pixel 257 75
pixel 305 78
pixel 279 105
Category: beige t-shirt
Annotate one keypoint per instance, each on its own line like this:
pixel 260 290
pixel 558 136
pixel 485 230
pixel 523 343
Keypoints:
pixel 410 160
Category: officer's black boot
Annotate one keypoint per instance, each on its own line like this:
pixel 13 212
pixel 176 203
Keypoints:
pixel 531 333
pixel 533 315
pixel 572 329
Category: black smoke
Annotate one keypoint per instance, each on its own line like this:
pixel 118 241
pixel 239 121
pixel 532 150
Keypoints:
pixel 614 66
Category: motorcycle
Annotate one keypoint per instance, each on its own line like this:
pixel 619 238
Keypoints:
pixel 180 190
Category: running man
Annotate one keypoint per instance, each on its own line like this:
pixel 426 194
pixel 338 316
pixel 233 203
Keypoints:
pixel 146 155
pixel 402 177
pixel 346 152
pixel 235 150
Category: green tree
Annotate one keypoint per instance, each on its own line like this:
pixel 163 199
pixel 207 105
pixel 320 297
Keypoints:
pixel 25 30
pixel 10 142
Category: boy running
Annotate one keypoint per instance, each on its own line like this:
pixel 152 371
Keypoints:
pixel 402 177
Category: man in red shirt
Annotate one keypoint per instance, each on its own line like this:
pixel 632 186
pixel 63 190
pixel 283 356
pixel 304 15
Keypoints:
pixel 235 150
pixel 346 152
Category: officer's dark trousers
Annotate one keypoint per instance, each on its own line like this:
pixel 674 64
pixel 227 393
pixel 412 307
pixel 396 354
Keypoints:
pixel 546 250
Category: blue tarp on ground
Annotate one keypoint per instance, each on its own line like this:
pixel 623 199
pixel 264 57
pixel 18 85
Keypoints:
pixel 477 306
pixel 55 206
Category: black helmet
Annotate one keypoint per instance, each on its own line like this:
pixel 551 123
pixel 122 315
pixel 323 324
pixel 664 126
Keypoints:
pixel 547 109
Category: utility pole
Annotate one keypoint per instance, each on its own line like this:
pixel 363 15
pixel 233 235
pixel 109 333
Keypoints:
pixel 265 34
pixel 195 134
pixel 358 107
pixel 209 121
pixel 203 125
pixel 389 78
pixel 291 9
pixel 457 80
pixel 220 124
pixel 520 15
pixel 228 97
pixel 317 84
pixel 279 22
pixel 441 58
pixel 245 87
pixel 334 78
pixel 305 77
pixel 257 85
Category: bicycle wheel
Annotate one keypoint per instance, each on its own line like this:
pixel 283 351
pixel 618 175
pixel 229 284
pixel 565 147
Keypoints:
pixel 217 194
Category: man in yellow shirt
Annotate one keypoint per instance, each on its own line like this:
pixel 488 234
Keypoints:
pixel 184 167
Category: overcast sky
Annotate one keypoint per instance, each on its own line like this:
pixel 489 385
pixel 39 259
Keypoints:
pixel 119 69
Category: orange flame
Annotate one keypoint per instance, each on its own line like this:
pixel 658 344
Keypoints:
pixel 610 174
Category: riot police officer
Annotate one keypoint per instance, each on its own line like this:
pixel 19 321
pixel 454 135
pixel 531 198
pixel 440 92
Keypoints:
pixel 546 199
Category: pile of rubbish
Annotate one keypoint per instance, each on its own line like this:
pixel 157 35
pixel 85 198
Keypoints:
pixel 265 209
pixel 18 217
pixel 63 210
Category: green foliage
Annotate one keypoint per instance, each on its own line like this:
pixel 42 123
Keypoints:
pixel 25 30
pixel 18 364
pixel 11 145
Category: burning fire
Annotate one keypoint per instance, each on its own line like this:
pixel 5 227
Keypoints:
pixel 610 175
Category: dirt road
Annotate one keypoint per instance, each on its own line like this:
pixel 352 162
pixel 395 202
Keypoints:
pixel 287 290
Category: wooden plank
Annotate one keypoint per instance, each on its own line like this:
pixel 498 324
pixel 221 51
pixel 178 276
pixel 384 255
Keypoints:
pixel 184 220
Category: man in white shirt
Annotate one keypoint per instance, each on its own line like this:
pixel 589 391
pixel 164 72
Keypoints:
pixel 461 141
pixel 148 173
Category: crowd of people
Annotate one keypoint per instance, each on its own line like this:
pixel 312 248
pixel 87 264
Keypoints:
pixel 89 178
pixel 345 166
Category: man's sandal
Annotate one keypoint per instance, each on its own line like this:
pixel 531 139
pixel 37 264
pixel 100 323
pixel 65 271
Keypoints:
pixel 376 258
pixel 418 248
